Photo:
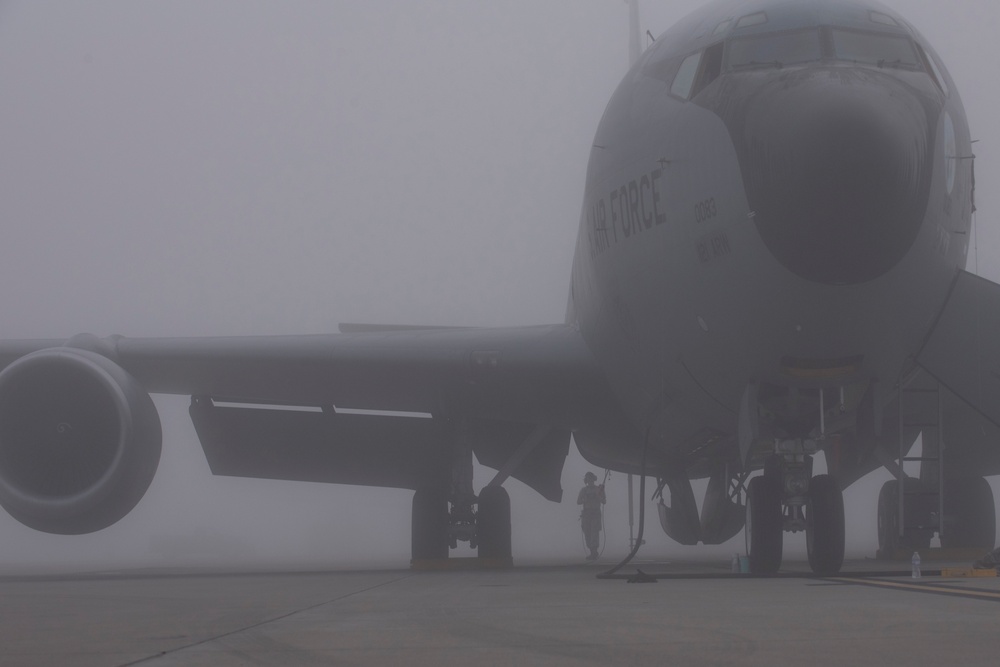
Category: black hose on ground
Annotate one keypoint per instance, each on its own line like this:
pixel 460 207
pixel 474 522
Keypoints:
pixel 642 514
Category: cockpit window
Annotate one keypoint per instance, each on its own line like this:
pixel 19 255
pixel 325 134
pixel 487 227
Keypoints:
pixel 875 49
pixel 752 19
pixel 684 80
pixel 774 50
pixel 722 27
pixel 884 19
pixel 932 67
pixel 697 71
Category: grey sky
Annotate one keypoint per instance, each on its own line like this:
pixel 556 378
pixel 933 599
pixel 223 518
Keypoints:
pixel 237 167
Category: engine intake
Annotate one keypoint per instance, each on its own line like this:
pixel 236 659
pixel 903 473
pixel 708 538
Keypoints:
pixel 80 441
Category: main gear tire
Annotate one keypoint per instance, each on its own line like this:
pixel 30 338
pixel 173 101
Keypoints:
pixel 888 518
pixel 429 527
pixel 918 509
pixel 493 524
pixel 969 505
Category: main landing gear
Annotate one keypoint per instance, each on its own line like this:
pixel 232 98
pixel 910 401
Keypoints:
pixel 969 520
pixel 429 534
pixel 436 528
pixel 493 524
pixel 448 511
pixel 787 498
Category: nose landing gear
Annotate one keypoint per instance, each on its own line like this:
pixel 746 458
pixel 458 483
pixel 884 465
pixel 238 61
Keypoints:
pixel 787 498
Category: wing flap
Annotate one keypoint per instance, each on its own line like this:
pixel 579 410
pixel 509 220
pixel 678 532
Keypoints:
pixel 403 452
pixel 300 446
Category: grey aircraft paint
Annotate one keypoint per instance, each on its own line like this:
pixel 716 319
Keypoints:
pixel 776 213
pixel 725 233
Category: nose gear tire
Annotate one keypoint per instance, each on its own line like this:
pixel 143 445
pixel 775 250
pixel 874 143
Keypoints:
pixel 764 524
pixel 825 525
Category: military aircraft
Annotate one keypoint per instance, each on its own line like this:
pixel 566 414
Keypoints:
pixel 769 265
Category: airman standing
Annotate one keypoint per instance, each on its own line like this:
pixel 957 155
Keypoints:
pixel 592 498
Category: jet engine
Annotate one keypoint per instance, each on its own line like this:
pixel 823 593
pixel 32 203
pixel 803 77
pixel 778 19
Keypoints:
pixel 80 441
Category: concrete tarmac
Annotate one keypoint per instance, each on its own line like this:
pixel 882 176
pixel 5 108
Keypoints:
pixel 537 615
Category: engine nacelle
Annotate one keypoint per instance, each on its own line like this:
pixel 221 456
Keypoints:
pixel 80 441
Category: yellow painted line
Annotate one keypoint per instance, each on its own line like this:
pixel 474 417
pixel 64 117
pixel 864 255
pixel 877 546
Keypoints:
pixel 936 589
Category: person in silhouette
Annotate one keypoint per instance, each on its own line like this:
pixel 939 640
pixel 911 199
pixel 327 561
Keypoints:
pixel 592 498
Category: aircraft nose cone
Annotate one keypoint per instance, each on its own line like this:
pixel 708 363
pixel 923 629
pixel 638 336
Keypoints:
pixel 836 171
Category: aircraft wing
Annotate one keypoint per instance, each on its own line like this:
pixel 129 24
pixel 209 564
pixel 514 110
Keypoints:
pixel 502 386
pixel 962 351
pixel 522 373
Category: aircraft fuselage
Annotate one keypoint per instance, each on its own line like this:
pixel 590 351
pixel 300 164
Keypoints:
pixel 778 195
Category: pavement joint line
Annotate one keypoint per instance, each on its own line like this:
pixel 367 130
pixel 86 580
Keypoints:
pixel 930 587
pixel 264 622
pixel 750 575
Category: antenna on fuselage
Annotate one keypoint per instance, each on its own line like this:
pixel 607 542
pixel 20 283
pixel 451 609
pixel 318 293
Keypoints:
pixel 634 48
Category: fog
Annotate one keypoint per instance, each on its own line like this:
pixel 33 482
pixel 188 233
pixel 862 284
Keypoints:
pixel 234 167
